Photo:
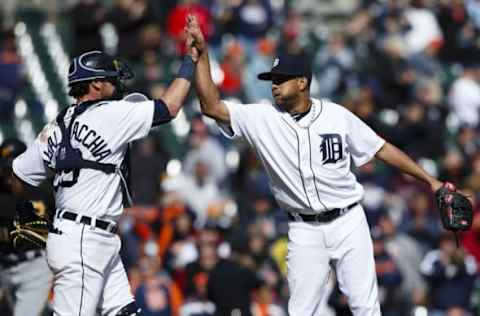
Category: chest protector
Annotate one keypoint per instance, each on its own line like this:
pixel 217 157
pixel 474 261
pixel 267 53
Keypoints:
pixel 69 159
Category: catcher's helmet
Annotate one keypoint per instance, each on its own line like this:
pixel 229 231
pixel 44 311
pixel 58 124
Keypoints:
pixel 11 148
pixel 97 65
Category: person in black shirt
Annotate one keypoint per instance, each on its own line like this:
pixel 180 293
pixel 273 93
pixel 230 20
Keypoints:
pixel 24 275
pixel 230 285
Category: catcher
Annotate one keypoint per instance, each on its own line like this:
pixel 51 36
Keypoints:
pixel 25 278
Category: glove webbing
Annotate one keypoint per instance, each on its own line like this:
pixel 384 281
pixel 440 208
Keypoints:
pixel 26 234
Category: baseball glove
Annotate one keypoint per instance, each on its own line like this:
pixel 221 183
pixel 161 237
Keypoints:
pixel 456 211
pixel 30 230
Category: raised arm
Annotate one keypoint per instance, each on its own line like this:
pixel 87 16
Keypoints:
pixel 398 159
pixel 177 91
pixel 208 94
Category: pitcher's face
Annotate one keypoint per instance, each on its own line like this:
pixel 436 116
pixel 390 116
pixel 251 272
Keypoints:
pixel 284 90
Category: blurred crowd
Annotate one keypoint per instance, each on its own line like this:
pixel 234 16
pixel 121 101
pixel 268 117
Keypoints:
pixel 211 236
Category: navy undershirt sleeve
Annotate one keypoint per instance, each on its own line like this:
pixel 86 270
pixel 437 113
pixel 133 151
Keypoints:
pixel 161 114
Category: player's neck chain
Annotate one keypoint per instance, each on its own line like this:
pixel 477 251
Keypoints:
pixel 298 116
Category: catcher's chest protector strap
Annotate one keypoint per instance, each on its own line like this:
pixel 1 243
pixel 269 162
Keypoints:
pixel 69 158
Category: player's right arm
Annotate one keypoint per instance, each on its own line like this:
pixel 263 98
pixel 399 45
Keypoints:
pixel 177 91
pixel 208 94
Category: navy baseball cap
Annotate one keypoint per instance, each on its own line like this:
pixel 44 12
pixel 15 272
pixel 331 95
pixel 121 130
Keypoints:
pixel 288 65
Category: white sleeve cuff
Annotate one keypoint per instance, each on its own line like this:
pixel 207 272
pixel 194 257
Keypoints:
pixel 368 156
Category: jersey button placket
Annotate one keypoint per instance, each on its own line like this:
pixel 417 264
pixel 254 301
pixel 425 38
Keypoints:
pixel 305 167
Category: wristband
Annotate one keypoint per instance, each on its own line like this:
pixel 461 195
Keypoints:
pixel 187 69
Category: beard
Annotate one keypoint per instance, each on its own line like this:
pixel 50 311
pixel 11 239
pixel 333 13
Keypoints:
pixel 120 90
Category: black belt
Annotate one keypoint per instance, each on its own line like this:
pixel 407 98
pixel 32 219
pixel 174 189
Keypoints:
pixel 323 217
pixel 108 226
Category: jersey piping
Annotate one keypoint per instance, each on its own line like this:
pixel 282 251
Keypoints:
pixel 313 172
pixel 83 272
pixel 300 169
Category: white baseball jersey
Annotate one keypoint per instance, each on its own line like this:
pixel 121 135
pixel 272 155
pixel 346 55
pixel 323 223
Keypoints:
pixel 308 162
pixel 102 134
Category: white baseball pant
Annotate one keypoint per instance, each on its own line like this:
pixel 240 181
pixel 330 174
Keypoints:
pixel 89 277
pixel 344 245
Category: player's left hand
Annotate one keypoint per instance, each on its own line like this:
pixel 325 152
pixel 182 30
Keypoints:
pixel 192 51
pixel 193 30
pixel 456 210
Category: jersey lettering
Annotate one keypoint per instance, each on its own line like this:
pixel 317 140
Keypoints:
pixel 331 148
pixel 52 143
pixel 91 140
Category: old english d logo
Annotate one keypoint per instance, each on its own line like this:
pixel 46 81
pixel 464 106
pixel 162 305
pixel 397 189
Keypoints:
pixel 331 148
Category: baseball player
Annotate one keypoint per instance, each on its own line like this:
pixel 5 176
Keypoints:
pixel 306 146
pixel 24 274
pixel 85 148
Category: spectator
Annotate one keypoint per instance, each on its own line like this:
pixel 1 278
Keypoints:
pixel 424 28
pixel 177 241
pixel 464 96
pixel 197 274
pixel 289 43
pixel 335 64
pixel 471 238
pixel 198 305
pixel 467 142
pixel 177 17
pixel 11 81
pixel 251 20
pixel 232 299
pixel 262 59
pixel 264 304
pixel 389 279
pixel 233 66
pixel 472 181
pixel 263 264
pixel 407 255
pixel 206 261
pixel 129 17
pixel 157 295
pixel 264 216
pixel 453 20
pixel 175 220
pixel 453 166
pixel 473 10
pixel 145 176
pixel 204 147
pixel 422 222
pixel 251 178
pixel 450 275
pixel 86 32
